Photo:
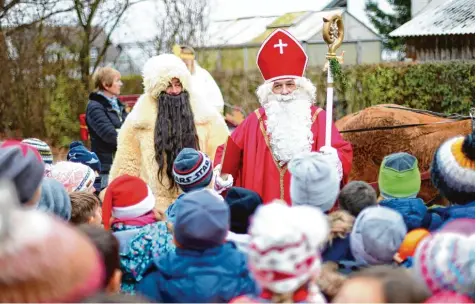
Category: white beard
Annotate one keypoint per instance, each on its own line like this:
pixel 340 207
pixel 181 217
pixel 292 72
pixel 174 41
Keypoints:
pixel 288 125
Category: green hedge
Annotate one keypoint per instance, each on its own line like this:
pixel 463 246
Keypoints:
pixel 446 87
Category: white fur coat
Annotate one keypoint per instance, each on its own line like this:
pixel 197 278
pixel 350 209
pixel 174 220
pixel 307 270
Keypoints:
pixel 136 151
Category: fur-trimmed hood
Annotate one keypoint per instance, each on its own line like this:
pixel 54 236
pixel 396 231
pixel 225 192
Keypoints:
pixel 157 73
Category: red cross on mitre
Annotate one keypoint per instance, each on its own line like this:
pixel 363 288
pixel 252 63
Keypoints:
pixel 281 56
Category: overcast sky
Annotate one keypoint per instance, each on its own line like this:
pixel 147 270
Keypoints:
pixel 139 22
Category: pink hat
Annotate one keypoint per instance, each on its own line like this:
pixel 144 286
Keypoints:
pixel 74 176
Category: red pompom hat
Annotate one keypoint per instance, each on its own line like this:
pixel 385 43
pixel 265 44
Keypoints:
pixel 126 197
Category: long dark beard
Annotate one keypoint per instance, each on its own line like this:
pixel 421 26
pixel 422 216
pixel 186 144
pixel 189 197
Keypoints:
pixel 174 130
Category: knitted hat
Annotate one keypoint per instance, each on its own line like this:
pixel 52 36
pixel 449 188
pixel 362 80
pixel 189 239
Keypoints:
pixel 445 261
pixel 465 226
pixel 74 176
pixel 399 176
pixel 452 169
pixel 79 154
pixel 42 147
pixel 284 245
pixel 192 169
pixel 314 181
pixel 24 147
pixel 22 164
pixel 42 258
pixel 448 297
pixel 202 220
pixel 126 197
pixel 243 203
pixel 54 199
pixel 377 235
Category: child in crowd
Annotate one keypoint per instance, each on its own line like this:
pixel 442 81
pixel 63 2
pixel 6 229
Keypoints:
pixel 377 235
pixel 108 247
pixel 284 253
pixel 128 210
pixel 23 165
pixel 74 176
pixel 54 199
pixel 338 245
pixel 44 150
pixel 85 208
pixel 204 268
pixel 356 196
pixel 453 174
pixel 444 261
pixel 79 154
pixel 314 181
pixel 381 284
pixel 242 203
pixel 42 259
pixel 192 171
pixel 399 184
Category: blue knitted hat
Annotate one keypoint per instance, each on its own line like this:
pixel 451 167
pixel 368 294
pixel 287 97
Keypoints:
pixel 452 169
pixel 243 203
pixel 192 170
pixel 202 220
pixel 79 154
pixel 54 199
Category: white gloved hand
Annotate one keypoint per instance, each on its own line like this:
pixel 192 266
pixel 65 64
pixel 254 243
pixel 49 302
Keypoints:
pixel 334 158
pixel 222 183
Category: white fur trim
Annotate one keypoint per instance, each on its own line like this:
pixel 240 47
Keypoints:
pixel 144 206
pixel 159 70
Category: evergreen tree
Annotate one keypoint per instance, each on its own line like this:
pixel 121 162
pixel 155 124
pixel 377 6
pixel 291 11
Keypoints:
pixel 386 23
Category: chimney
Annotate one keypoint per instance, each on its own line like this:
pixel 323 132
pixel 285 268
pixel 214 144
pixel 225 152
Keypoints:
pixel 418 5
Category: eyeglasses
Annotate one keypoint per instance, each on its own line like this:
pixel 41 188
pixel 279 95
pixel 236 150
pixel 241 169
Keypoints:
pixel 279 88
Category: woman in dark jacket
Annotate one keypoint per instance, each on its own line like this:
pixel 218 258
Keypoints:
pixel 104 117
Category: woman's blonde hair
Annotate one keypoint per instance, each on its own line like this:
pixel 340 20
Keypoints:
pixel 341 223
pixel 104 76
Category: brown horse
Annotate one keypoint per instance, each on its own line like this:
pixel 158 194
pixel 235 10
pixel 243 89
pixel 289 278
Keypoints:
pixel 385 129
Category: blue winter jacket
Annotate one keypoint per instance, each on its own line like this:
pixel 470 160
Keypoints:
pixel 454 212
pixel 414 213
pixel 338 251
pixel 216 275
pixel 103 121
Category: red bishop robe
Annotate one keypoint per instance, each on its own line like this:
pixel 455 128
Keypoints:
pixel 255 167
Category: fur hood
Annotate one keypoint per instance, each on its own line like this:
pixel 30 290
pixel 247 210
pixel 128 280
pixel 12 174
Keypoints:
pixel 157 73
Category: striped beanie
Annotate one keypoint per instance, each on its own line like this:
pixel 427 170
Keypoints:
pixel 192 170
pixel 445 261
pixel 42 147
pixel 43 259
pixel 452 169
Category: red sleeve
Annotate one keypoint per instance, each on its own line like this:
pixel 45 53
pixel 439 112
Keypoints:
pixel 344 148
pixel 238 137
